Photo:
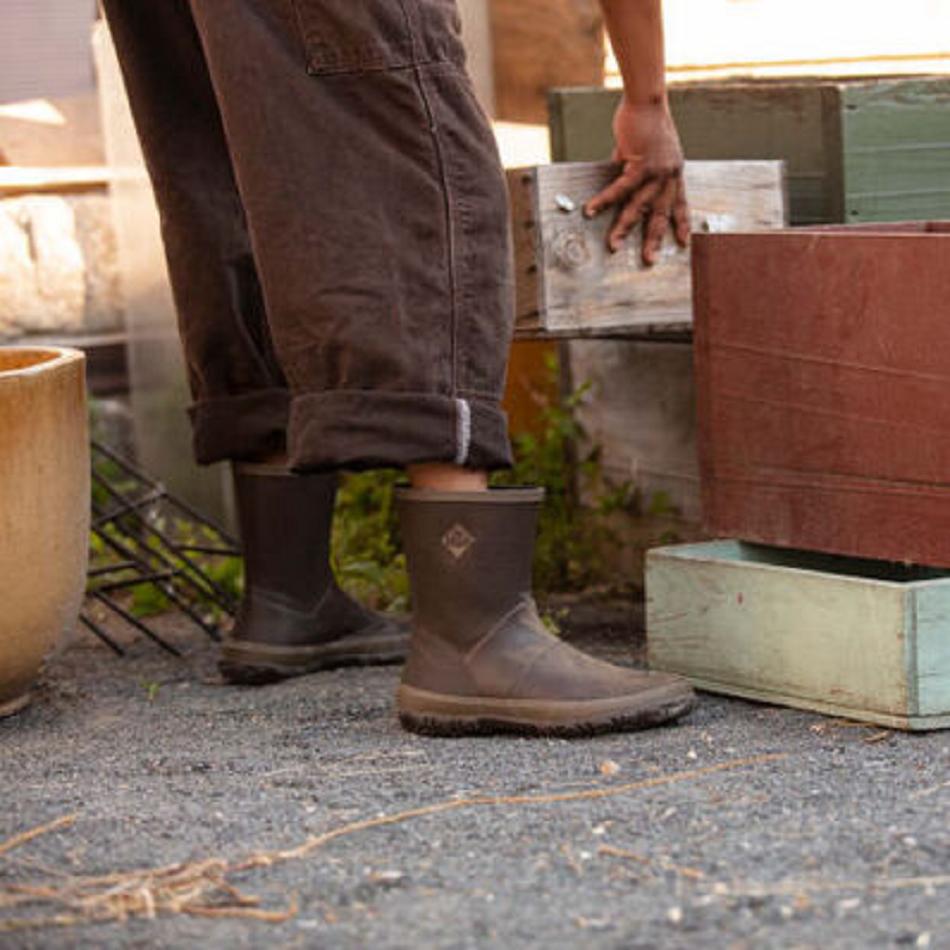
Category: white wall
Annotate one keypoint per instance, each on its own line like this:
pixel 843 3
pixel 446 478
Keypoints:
pixel 734 31
pixel 44 48
pixel 476 31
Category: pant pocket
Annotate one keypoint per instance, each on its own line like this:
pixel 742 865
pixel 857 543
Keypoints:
pixel 346 36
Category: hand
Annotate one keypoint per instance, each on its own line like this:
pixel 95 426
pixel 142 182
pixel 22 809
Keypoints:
pixel 650 186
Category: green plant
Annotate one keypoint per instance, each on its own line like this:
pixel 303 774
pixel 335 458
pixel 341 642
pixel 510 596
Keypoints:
pixel 116 540
pixel 571 535
pixel 151 690
pixel 367 554
pixel 368 561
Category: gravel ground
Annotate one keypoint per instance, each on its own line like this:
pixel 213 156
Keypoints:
pixel 745 826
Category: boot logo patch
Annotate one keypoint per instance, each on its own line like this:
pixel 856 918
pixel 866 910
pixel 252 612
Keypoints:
pixel 457 540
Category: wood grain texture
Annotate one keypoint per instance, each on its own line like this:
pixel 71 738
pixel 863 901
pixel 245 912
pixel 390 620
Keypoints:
pixel 538 44
pixel 58 179
pixel 932 657
pixel 823 388
pixel 820 633
pixel 896 149
pixel 568 282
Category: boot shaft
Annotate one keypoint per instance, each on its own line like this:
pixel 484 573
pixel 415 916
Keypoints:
pixel 469 556
pixel 285 523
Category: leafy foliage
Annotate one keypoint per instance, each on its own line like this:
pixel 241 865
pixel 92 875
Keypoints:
pixel 571 536
pixel 367 553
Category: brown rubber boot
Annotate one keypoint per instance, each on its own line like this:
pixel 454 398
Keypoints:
pixel 294 619
pixel 480 660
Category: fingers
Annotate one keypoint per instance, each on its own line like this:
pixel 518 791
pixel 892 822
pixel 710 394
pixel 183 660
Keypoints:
pixel 657 200
pixel 681 215
pixel 628 180
pixel 658 221
pixel 632 212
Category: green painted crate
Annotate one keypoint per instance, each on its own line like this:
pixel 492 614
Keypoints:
pixel 868 640
pixel 856 150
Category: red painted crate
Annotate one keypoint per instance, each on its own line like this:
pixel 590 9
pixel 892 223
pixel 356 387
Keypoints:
pixel 823 381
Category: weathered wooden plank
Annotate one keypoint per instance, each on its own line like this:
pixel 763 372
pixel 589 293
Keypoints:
pixel 823 389
pixel 896 149
pixel 17 180
pixel 538 44
pixel 580 121
pixel 568 282
pixel 932 659
pixel 642 416
pixel 828 634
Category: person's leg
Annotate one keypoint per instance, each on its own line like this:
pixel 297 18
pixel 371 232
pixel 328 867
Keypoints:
pixel 379 218
pixel 441 477
pixel 293 617
pixel 378 215
pixel 240 398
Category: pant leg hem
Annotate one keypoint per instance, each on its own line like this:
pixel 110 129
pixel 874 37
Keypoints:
pixel 246 426
pixel 359 429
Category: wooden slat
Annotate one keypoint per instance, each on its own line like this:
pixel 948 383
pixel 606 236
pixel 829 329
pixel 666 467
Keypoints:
pixel 16 179
pixel 896 149
pixel 568 282
pixel 845 637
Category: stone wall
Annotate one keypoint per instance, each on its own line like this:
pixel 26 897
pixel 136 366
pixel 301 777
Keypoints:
pixel 58 266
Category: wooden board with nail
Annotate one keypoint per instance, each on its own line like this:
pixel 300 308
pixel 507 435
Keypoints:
pixel 569 284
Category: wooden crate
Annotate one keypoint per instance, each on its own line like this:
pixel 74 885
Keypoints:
pixel 823 389
pixel 862 639
pixel 569 284
pixel 856 150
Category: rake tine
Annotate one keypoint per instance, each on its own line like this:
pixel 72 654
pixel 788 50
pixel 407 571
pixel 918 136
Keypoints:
pixel 132 582
pixel 111 569
pixel 211 589
pixel 202 549
pixel 136 518
pixel 133 470
pixel 190 612
pixel 101 634
pixel 128 507
pixel 135 622
pixel 167 589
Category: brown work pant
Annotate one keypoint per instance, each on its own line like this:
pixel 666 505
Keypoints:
pixel 335 222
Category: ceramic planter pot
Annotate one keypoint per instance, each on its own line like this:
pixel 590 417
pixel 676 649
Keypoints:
pixel 44 509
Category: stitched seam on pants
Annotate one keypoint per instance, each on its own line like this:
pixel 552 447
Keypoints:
pixel 446 194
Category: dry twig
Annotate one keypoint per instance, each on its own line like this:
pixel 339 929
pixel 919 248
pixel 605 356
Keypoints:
pixel 24 836
pixel 202 888
pixel 693 874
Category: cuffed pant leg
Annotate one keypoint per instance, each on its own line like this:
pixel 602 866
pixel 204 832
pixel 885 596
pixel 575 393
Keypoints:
pixel 241 400
pixel 378 215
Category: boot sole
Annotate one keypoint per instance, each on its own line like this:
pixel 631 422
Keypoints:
pixel 251 664
pixel 435 714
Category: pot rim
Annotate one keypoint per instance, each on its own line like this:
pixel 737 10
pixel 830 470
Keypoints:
pixel 61 355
